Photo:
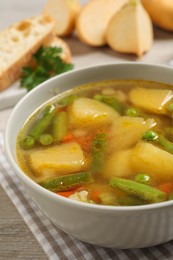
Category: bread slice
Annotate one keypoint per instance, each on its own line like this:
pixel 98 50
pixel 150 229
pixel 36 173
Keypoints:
pixel 93 19
pixel 17 44
pixel 64 12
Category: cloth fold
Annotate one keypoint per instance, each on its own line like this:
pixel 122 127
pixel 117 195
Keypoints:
pixel 57 244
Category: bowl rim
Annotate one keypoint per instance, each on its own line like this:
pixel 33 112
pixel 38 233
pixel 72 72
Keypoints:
pixel 67 201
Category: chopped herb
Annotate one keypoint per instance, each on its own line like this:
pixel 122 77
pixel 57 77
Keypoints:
pixel 46 63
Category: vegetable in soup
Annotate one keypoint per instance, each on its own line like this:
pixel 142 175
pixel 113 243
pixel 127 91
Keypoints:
pixel 108 143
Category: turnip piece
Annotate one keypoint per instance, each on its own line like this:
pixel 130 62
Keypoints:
pixel 64 13
pixel 151 100
pixel 153 160
pixel 127 131
pixel 161 12
pixel 57 160
pixel 119 164
pixel 87 112
pixel 130 30
pixel 93 19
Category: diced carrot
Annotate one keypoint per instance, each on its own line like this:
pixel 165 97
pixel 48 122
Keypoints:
pixel 66 194
pixel 60 109
pixel 69 137
pixel 166 187
pixel 95 196
pixel 85 142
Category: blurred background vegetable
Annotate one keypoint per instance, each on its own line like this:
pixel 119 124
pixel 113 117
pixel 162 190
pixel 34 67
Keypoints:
pixel 161 12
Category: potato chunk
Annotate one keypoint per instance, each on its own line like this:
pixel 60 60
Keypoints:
pixel 127 131
pixel 86 112
pixel 151 100
pixel 150 159
pixel 119 164
pixel 57 160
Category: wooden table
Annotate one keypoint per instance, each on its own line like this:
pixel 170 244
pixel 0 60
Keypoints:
pixel 16 240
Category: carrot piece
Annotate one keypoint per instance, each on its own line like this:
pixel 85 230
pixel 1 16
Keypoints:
pixel 95 196
pixel 166 187
pixel 69 137
pixel 65 193
pixel 85 142
pixel 60 109
pixel 68 193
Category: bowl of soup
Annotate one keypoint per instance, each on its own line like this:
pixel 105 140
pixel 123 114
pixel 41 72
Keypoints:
pixel 94 149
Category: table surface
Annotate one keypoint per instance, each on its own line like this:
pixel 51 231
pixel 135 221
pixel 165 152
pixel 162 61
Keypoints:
pixel 16 240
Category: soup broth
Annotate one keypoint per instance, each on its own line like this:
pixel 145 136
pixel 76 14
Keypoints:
pixel 108 143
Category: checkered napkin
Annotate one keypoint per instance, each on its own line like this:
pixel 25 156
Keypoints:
pixel 57 244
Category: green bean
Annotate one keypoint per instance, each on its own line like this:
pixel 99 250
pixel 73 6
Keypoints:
pixel 112 102
pixel 28 142
pixel 43 123
pixel 159 139
pixel 140 190
pixel 98 152
pixel 143 178
pixel 169 132
pixel 165 143
pixel 46 139
pixel 67 100
pixel 130 201
pixel 170 196
pixel 59 126
pixel 66 182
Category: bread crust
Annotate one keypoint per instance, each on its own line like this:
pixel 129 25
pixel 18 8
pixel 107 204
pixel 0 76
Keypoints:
pixel 22 44
pixel 11 69
pixel 14 71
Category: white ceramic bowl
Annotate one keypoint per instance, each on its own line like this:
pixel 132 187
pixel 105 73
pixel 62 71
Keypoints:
pixel 109 226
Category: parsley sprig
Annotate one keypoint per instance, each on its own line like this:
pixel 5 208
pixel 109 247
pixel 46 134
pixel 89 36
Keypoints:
pixel 46 63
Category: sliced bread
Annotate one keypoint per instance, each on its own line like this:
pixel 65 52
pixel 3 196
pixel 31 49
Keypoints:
pixel 17 44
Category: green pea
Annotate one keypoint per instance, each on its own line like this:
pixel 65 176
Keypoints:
pixel 132 112
pixel 98 97
pixel 46 139
pixel 170 107
pixel 159 140
pixel 150 135
pixel 27 142
pixel 143 178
